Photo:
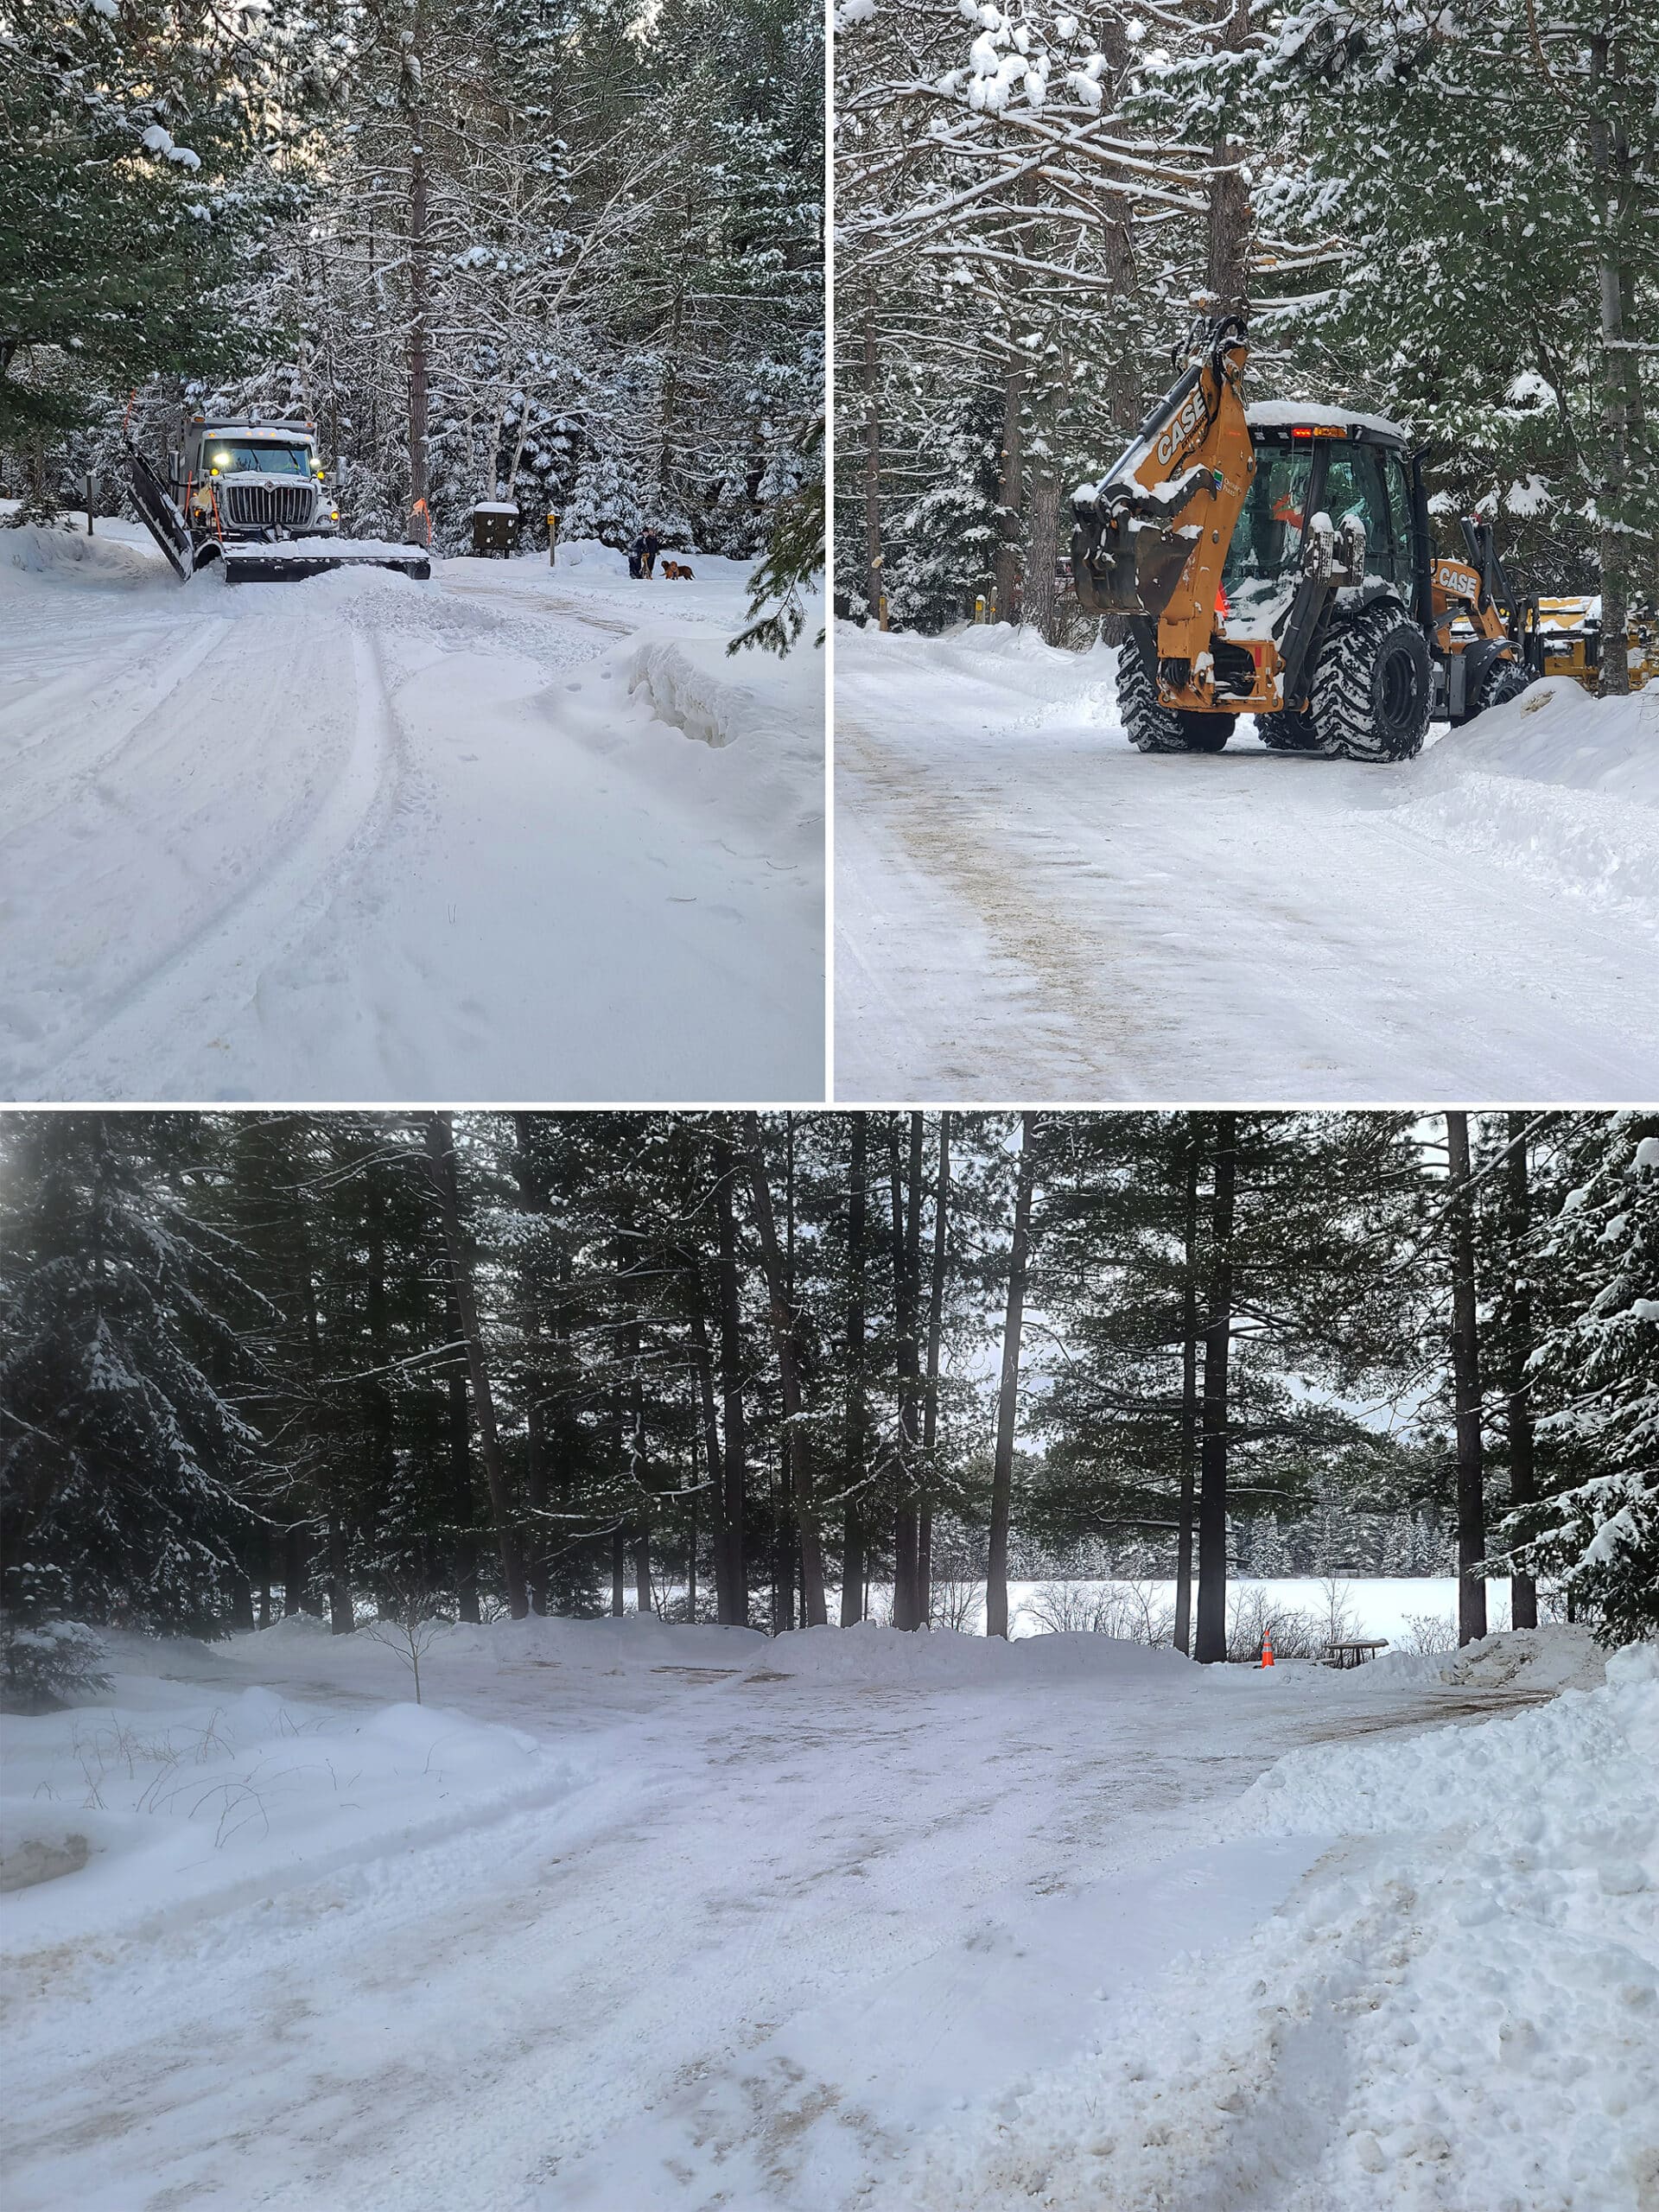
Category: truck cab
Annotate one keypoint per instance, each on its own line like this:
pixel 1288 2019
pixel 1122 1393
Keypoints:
pixel 253 482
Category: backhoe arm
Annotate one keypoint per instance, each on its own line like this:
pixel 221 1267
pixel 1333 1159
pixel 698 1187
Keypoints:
pixel 1152 536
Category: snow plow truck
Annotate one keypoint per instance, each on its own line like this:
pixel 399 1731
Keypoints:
pixel 254 499
pixel 1276 561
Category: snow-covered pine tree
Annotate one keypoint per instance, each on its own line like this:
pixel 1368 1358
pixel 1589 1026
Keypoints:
pixel 1478 184
pixel 1597 1372
pixel 605 503
pixel 136 175
pixel 122 1449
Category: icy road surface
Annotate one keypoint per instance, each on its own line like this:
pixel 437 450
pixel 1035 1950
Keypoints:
pixel 1028 908
pixel 626 1916
pixel 517 833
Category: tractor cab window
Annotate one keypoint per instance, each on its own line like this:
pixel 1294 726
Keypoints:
pixel 1398 480
pixel 1267 543
pixel 1353 485
pixel 232 455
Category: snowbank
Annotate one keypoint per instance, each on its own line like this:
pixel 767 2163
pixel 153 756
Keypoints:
pixel 944 1658
pixel 592 553
pixel 1457 2012
pixel 1430 1781
pixel 1555 733
pixel 1009 675
pixel 1562 784
pixel 767 712
pixel 686 684
pixel 133 1811
pixel 69 555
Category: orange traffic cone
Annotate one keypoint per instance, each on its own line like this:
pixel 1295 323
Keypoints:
pixel 1267 1649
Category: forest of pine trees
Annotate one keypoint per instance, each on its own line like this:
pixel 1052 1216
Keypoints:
pixel 1444 216
pixel 749 1368
pixel 569 253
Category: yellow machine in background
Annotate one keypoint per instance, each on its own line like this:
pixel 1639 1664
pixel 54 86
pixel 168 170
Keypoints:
pixel 1571 630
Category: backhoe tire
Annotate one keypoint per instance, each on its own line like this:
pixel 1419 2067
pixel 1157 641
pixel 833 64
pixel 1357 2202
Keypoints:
pixel 1503 681
pixel 1291 731
pixel 1149 725
pixel 1373 687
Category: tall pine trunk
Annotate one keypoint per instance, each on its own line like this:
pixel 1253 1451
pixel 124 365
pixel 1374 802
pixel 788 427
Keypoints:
pixel 996 1578
pixel 782 1336
pixel 1041 606
pixel 460 1472
pixel 439 1130
pixel 420 285
pixel 930 1382
pixel 873 587
pixel 1524 1481
pixel 1227 256
pixel 1189 1391
pixel 1610 157
pixel 726 1610
pixel 342 1617
pixel 533 1198
pixel 731 1384
pixel 907 1197
pixel 1212 1642
pixel 1466 1383
pixel 1010 517
pixel 296 1569
pixel 857 1448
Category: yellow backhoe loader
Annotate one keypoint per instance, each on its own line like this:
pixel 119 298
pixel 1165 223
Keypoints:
pixel 1573 644
pixel 1276 561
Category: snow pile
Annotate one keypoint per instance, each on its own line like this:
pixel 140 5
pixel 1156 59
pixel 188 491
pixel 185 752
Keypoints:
pixel 770 712
pixel 1457 2012
pixel 998 673
pixel 166 1799
pixel 69 555
pixel 694 683
pixel 944 1658
pixel 1561 783
pixel 1538 1660
pixel 686 683
pixel 1555 733
pixel 592 553
pixel 1557 1658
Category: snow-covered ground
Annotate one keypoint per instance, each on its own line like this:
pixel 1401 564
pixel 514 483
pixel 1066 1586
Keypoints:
pixel 1027 907
pixel 519 833
pixel 630 1916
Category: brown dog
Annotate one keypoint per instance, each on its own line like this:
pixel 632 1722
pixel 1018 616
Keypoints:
pixel 676 569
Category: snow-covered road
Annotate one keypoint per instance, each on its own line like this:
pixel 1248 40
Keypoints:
pixel 359 838
pixel 707 1933
pixel 1028 908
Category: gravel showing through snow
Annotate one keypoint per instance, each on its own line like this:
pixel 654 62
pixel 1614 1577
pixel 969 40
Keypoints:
pixel 1026 907
pixel 360 837
pixel 626 1914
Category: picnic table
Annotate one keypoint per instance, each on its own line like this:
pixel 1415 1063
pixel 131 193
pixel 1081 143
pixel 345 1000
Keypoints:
pixel 1356 1653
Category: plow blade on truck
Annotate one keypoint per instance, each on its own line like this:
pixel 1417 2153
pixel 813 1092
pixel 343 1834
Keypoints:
pixel 292 562
pixel 159 513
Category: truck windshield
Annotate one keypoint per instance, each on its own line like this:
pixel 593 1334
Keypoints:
pixel 228 455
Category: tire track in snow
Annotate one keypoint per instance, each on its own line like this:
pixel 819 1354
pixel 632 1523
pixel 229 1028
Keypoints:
pixel 205 983
pixel 1044 909
pixel 99 741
